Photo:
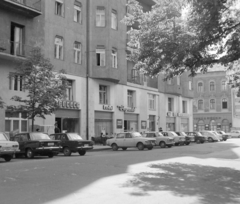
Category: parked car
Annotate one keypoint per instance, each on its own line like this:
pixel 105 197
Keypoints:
pixel 161 140
pixel 7 148
pixel 177 139
pixel 72 142
pixel 219 135
pixel 235 134
pixel 131 139
pixel 198 137
pixel 36 143
pixel 211 136
pixel 225 136
pixel 188 138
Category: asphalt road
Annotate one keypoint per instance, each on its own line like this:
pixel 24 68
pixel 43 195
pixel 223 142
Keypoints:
pixel 198 173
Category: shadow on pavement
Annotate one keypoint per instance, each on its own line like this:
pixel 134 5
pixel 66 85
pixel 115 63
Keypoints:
pixel 209 184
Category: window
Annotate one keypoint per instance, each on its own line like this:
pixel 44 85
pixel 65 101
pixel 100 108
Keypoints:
pixel 224 103
pixel 213 125
pixel 17 39
pixel 59 10
pixel 16 122
pixel 16 82
pixel 200 104
pixel 77 12
pixel 130 95
pixel 224 85
pixel 77 52
pixel 170 104
pixel 200 87
pixel 212 86
pixel 114 20
pixel 152 101
pixel 100 57
pixel 69 91
pixel 103 94
pixel 190 85
pixel 58 51
pixel 114 58
pixel 184 106
pixel 212 104
pixel 100 17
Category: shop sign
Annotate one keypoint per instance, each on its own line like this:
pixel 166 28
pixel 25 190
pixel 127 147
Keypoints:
pixel 207 118
pixel 119 124
pixel 107 107
pixel 68 104
pixel 121 108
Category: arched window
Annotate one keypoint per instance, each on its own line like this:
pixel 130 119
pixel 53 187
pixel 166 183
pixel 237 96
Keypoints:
pixel 224 103
pixel 213 125
pixel 201 125
pixel 212 86
pixel 200 87
pixel 224 85
pixel 200 104
pixel 212 104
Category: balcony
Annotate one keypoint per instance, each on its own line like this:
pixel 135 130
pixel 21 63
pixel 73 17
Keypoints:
pixel 107 74
pixel 10 49
pixel 135 77
pixel 29 8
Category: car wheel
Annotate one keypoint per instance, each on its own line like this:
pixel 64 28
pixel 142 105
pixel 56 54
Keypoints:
pixel 210 139
pixel 202 142
pixel 51 155
pixel 29 154
pixel 169 146
pixel 150 148
pixel 114 147
pixel 176 144
pixel 162 144
pixel 140 146
pixel 67 151
pixel 187 143
pixel 82 152
pixel 7 158
pixel 124 148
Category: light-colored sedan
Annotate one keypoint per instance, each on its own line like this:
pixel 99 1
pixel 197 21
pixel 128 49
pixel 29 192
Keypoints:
pixel 211 136
pixel 235 134
pixel 161 140
pixel 177 139
pixel 131 139
pixel 219 135
pixel 224 135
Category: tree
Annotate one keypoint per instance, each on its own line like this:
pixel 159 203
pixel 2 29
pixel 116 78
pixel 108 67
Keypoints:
pixel 44 87
pixel 183 35
pixel 2 104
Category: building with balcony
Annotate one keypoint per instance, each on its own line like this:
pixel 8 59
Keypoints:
pixel 212 107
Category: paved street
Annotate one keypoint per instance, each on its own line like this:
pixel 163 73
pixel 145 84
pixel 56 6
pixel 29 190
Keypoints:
pixel 204 173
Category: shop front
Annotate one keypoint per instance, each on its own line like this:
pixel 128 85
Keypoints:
pixel 152 123
pixel 184 124
pixel 130 122
pixel 170 124
pixel 103 123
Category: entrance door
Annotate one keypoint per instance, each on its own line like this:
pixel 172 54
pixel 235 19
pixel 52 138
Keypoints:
pixel 103 126
pixel 59 123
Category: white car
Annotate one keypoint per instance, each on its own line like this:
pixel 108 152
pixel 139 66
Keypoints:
pixel 211 136
pixel 234 133
pixel 219 135
pixel 161 140
pixel 177 139
pixel 7 148
pixel 130 139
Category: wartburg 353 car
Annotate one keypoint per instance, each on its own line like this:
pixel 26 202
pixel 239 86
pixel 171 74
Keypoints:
pixel 162 141
pixel 36 143
pixel 72 142
pixel 7 148
pixel 130 139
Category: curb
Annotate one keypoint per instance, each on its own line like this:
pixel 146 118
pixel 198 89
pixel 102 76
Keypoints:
pixel 100 149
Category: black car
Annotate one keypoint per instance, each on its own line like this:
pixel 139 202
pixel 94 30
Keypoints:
pixel 36 143
pixel 198 137
pixel 72 142
pixel 188 138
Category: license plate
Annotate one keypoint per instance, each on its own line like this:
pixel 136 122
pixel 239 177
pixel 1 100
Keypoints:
pixel 50 144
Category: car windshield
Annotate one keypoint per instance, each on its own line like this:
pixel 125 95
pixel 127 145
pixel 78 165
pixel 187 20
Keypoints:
pixel 136 134
pixel 74 136
pixel 39 136
pixel 199 134
pixel 159 134
pixel 220 132
pixel 215 133
pixel 3 137
pixel 183 134
pixel 174 134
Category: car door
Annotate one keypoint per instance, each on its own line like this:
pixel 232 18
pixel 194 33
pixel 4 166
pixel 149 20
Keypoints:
pixel 120 139
pixel 129 140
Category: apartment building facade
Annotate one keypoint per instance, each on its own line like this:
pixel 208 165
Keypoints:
pixel 88 41
pixel 212 108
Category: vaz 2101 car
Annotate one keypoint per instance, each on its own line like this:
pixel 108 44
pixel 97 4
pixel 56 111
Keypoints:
pixel 161 140
pixel 131 139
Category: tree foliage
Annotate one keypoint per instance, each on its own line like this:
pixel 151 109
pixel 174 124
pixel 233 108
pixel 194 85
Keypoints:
pixel 44 88
pixel 2 104
pixel 183 35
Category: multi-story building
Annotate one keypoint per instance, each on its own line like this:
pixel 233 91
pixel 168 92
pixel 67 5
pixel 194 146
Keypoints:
pixel 212 108
pixel 88 41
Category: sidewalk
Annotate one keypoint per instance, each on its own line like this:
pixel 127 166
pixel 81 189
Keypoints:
pixel 100 148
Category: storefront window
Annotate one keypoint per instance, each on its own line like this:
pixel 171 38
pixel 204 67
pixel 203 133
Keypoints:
pixel 201 125
pixel 213 125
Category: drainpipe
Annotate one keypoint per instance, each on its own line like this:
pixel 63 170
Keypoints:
pixel 87 66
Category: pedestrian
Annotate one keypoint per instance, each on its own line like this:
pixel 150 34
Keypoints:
pixel 56 129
